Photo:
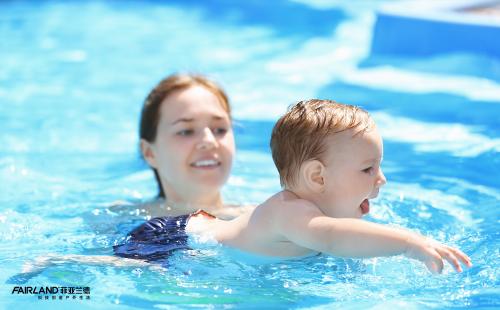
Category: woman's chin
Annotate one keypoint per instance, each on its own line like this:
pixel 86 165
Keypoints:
pixel 211 179
pixel 209 186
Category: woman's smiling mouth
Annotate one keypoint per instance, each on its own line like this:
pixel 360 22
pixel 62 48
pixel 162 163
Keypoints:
pixel 206 164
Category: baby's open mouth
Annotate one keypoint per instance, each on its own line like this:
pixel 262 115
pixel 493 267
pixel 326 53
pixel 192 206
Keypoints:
pixel 365 206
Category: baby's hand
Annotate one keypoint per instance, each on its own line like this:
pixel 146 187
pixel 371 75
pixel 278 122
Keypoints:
pixel 432 253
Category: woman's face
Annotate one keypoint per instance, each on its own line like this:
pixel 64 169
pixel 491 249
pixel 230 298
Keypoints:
pixel 194 145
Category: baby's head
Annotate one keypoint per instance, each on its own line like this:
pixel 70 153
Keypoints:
pixel 329 153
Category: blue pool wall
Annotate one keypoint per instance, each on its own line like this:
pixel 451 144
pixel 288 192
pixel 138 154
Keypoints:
pixel 400 30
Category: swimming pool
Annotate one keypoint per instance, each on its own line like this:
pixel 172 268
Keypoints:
pixel 72 80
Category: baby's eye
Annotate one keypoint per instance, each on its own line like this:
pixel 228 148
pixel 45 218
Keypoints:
pixel 185 132
pixel 220 131
pixel 368 170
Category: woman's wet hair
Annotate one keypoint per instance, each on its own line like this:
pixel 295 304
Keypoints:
pixel 150 115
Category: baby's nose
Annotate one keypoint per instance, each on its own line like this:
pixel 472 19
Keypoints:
pixel 381 180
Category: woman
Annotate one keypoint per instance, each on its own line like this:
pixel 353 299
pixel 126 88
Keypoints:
pixel 187 139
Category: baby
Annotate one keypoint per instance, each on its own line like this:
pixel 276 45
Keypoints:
pixel 328 156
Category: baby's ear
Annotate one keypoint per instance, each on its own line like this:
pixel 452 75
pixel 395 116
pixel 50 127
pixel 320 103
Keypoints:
pixel 312 173
pixel 148 153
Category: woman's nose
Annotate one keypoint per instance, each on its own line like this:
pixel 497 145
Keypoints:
pixel 208 140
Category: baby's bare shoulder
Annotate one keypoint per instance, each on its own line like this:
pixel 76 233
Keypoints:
pixel 288 202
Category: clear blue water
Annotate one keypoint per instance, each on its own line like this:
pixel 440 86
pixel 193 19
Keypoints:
pixel 72 80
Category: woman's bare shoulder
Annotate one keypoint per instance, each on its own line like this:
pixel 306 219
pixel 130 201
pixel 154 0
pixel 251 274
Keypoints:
pixel 231 211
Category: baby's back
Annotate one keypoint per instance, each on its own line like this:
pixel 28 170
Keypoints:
pixel 259 232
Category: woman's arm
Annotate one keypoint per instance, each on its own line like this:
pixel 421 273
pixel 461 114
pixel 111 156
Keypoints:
pixel 33 268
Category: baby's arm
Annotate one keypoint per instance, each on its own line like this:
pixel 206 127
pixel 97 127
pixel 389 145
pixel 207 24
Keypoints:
pixel 310 228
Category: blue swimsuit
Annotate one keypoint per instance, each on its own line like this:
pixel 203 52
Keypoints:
pixel 157 238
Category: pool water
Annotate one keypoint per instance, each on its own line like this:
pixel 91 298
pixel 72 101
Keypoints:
pixel 72 79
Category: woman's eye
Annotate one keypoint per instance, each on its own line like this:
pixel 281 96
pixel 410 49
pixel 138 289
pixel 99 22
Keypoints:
pixel 220 131
pixel 185 132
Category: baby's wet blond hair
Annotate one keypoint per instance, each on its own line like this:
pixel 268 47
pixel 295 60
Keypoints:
pixel 299 135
